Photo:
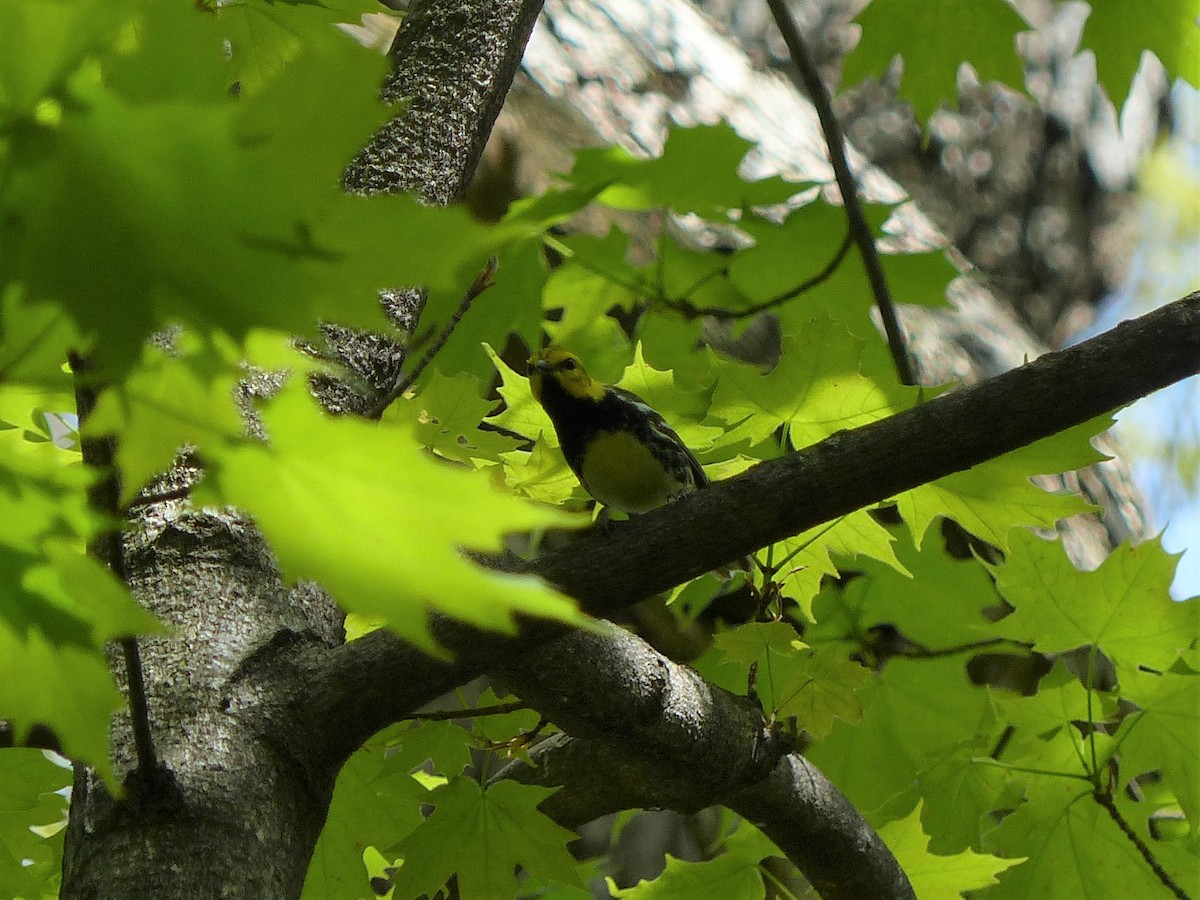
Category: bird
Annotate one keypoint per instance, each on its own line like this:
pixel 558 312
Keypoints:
pixel 620 448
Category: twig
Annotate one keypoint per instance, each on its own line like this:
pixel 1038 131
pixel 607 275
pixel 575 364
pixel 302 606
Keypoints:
pixel 104 496
pixel 1110 805
pixel 859 227
pixel 162 497
pixel 446 715
pixel 691 311
pixel 919 651
pixel 482 282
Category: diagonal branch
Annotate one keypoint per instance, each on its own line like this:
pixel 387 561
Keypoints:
pixel 854 469
pixel 859 227
pixel 660 717
pixel 608 569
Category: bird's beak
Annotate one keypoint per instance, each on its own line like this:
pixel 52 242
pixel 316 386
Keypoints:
pixel 540 366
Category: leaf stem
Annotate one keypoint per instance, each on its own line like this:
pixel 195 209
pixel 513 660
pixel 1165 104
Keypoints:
pixel 446 715
pixel 104 497
pixel 691 311
pixel 1106 800
pixel 138 502
pixel 859 228
pixel 989 761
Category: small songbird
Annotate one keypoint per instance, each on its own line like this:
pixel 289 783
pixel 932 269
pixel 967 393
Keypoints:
pixel 623 452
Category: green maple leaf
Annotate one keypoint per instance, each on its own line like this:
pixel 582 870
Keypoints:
pixel 735 873
pixel 817 688
pixel 1075 849
pixel 935 37
pixel 918 278
pixel 1124 607
pixel 595 278
pixel 822 384
pixel 541 474
pixel 26 408
pixel 446 415
pixel 754 641
pixel 182 205
pixel 696 172
pixel 1118 33
pixel 374 804
pixel 992 498
pixel 914 713
pixel 725 876
pixel 1060 700
pixel 446 746
pixel 34 340
pixel 386 556
pixel 522 414
pixel 809 557
pixel 504 726
pixel 483 836
pixel 58 607
pixel 67 688
pixel 43 44
pixel 929 596
pixel 32 816
pixel 1164 733
pixel 957 795
pixel 937 876
pixel 263 36
pixel 791 679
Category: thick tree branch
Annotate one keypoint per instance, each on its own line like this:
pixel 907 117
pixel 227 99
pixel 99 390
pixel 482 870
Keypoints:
pixel 683 744
pixel 795 805
pixel 656 734
pixel 454 63
pixel 715 742
pixel 854 469
pixel 607 569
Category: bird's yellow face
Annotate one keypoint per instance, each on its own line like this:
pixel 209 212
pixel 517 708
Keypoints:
pixel 566 369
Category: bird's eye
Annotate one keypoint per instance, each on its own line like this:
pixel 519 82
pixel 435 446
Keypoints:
pixel 569 364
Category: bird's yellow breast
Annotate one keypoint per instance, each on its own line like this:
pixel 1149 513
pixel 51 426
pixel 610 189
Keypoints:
pixel 620 471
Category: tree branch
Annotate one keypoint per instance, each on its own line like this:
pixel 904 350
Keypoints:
pixel 689 310
pixel 854 469
pixel 810 78
pixel 664 737
pixel 454 64
pixel 608 569
pixel 656 734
